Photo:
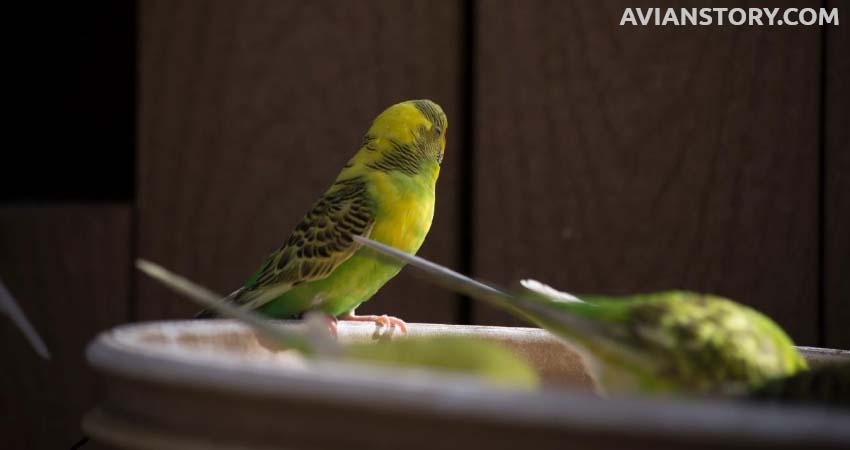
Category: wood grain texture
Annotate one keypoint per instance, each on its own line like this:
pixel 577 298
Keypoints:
pixel 249 110
pixel 623 159
pixel 68 267
pixel 837 186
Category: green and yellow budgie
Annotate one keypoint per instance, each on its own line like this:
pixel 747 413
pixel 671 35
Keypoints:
pixel 385 192
pixel 673 341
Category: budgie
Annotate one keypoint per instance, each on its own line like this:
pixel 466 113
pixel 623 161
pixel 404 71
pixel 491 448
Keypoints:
pixel 385 192
pixel 676 342
pixel 488 361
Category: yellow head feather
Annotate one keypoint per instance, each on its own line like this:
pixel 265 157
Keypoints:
pixel 406 135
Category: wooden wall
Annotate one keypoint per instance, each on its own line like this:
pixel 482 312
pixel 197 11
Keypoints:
pixel 835 197
pixel 633 159
pixel 68 267
pixel 592 156
pixel 249 110
pixel 66 208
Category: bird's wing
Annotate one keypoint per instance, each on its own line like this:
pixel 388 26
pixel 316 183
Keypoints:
pixel 319 244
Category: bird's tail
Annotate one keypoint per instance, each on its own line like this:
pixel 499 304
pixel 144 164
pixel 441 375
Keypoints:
pixel 211 314
pixel 307 342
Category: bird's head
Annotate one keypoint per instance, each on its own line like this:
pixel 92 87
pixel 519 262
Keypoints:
pixel 414 130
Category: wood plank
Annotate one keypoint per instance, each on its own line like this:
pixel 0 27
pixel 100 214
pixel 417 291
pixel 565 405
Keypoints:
pixel 68 267
pixel 623 159
pixel 837 187
pixel 248 112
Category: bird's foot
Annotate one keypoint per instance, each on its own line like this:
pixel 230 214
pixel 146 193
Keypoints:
pixel 332 325
pixel 320 327
pixel 383 320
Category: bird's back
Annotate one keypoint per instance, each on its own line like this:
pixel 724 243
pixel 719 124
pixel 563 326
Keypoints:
pixel 682 339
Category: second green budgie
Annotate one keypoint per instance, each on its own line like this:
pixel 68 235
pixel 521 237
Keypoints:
pixel 385 192
pixel 673 341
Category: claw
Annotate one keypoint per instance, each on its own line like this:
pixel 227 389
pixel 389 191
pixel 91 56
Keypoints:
pixel 382 320
pixel 332 326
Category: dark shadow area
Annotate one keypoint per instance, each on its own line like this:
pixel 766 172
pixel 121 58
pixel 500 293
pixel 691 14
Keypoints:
pixel 72 68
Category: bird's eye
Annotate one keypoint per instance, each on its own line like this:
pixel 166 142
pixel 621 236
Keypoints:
pixel 439 131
